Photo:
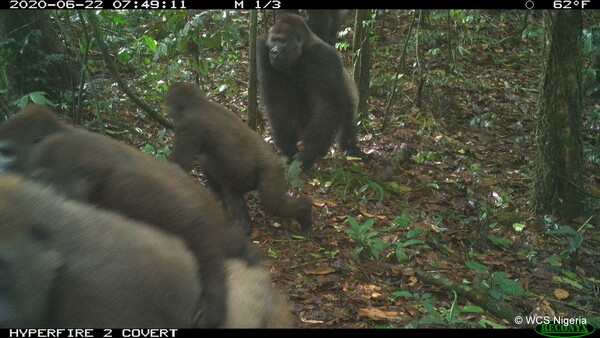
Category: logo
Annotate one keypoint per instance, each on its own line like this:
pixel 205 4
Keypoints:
pixel 557 330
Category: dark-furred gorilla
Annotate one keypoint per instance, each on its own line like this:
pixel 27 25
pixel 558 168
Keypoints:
pixel 306 92
pixel 69 264
pixel 234 158
pixel 325 23
pixel 99 170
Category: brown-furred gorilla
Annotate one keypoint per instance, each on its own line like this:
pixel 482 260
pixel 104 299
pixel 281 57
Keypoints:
pixel 64 263
pixel 233 157
pixel 99 170
pixel 306 92
pixel 68 264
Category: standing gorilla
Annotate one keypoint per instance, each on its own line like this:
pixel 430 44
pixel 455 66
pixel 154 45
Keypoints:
pixel 234 158
pixel 306 92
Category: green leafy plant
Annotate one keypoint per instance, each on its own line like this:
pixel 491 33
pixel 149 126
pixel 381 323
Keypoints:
pixel 440 315
pixel 366 238
pixel 158 152
pixel 403 221
pixel 353 181
pixel 573 238
pixel 35 97
pixel 496 283
pixel 292 172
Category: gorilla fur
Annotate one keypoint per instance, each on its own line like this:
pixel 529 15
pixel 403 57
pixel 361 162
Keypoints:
pixel 97 169
pixel 69 264
pixel 306 92
pixel 233 157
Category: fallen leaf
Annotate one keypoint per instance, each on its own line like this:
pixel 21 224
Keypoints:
pixel 398 188
pixel 321 270
pixel 321 202
pixel 364 212
pixel 377 314
pixel 561 294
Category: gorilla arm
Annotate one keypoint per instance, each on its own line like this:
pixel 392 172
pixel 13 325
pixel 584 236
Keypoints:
pixel 187 144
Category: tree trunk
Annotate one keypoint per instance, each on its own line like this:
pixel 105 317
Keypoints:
pixel 362 57
pixel 253 116
pixel 558 185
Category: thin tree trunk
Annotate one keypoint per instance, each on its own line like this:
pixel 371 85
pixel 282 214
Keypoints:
pixel 362 57
pixel 253 116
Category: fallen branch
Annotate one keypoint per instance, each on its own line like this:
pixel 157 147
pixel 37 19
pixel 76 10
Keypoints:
pixel 477 297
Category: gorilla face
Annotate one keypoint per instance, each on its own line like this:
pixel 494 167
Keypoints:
pixel 285 47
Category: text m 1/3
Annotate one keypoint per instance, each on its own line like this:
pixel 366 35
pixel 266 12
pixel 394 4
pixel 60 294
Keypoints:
pixel 266 4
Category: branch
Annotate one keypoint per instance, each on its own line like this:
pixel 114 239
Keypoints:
pixel 477 297
pixel 113 69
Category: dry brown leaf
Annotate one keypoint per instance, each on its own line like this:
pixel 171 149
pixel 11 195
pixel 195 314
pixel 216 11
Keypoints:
pixel 364 212
pixel 321 202
pixel 320 270
pixel 377 314
pixel 561 294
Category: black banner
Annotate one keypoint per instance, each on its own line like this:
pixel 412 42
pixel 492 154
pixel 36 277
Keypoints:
pixel 296 4
pixel 93 333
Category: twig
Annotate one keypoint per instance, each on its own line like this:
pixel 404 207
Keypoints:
pixel 397 73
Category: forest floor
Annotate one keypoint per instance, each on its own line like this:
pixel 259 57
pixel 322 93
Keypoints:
pixel 447 183
pixel 447 187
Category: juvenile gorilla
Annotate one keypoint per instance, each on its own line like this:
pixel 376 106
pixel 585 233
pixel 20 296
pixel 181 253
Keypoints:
pixel 96 169
pixel 234 158
pixel 306 92
pixel 68 264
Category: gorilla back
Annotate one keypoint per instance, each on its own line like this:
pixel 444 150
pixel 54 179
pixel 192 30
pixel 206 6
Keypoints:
pixel 67 264
pixel 97 169
pixel 234 158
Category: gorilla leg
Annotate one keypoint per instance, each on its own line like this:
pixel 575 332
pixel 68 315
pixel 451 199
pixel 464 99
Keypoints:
pixel 318 136
pixel 347 138
pixel 233 201
pixel 285 138
pixel 235 204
